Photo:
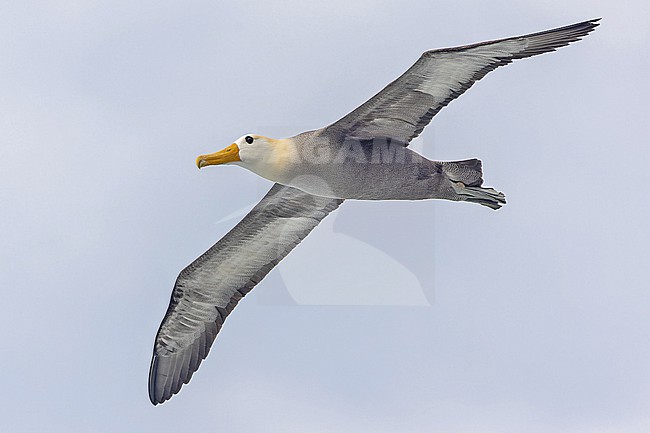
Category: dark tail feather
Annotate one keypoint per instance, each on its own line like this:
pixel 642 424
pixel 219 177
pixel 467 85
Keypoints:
pixel 475 194
pixel 469 171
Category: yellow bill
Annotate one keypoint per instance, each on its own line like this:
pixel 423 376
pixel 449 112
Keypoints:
pixel 229 154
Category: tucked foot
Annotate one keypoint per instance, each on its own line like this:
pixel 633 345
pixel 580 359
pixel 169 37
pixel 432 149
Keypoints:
pixel 475 194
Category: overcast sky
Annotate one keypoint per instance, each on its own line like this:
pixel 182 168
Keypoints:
pixel 391 317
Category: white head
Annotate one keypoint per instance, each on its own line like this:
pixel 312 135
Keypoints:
pixel 259 154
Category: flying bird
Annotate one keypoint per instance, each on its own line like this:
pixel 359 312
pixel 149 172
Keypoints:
pixel 363 156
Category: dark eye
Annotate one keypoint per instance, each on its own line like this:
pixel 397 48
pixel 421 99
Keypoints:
pixel 249 139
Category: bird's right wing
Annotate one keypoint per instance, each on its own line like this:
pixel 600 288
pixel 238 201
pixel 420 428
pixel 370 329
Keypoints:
pixel 404 107
pixel 209 288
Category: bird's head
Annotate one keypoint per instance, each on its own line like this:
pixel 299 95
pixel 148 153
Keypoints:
pixel 257 153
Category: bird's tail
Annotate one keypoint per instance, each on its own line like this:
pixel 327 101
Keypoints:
pixel 489 197
pixel 466 178
pixel 469 171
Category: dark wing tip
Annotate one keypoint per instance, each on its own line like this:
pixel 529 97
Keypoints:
pixel 550 40
pixel 585 27
pixel 165 378
pixel 592 24
pixel 160 381
pixel 152 381
pixel 169 373
pixel 578 29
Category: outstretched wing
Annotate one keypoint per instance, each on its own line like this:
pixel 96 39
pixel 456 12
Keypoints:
pixel 209 288
pixel 404 107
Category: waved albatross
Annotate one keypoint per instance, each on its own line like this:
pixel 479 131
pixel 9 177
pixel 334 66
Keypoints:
pixel 362 156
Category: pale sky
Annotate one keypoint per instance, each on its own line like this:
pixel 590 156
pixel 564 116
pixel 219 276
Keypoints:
pixel 390 317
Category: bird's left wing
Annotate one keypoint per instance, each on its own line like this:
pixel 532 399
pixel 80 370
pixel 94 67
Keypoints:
pixel 210 287
pixel 404 107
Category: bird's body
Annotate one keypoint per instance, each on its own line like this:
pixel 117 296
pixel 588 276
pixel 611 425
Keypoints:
pixel 331 166
pixel 362 156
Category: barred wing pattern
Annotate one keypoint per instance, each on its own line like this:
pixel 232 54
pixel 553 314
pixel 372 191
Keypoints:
pixel 210 287
pixel 403 108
